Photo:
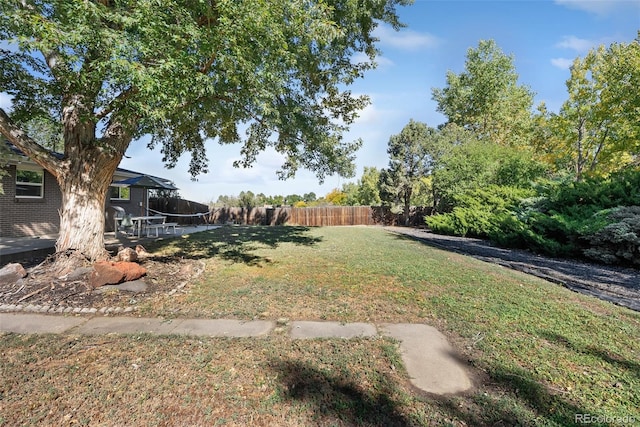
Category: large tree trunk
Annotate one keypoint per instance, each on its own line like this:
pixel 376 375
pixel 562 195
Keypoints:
pixel 84 191
pixel 84 174
pixel 84 177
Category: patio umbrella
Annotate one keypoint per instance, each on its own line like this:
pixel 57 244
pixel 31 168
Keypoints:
pixel 147 182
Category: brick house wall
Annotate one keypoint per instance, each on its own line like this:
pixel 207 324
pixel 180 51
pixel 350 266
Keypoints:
pixel 29 217
pixel 20 217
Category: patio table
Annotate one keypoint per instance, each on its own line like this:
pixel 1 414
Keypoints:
pixel 140 220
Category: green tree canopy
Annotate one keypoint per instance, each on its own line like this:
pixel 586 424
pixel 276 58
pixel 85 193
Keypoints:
pixel 478 164
pixel 184 72
pixel 597 130
pixel 368 191
pixel 336 197
pixel 486 97
pixel 364 192
pixel 409 161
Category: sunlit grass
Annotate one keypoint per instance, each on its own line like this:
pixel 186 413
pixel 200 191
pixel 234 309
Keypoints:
pixel 541 354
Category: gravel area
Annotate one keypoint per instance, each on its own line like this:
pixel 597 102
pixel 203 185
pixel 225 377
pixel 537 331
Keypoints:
pixel 618 285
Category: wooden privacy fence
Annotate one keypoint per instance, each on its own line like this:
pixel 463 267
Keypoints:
pixel 310 217
pixel 170 205
pixel 331 215
pixel 316 216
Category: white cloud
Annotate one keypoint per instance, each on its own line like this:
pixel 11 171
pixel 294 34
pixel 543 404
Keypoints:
pixel 576 43
pixel 601 7
pixel 369 115
pixel 381 61
pixel 405 39
pixel 562 63
pixel 384 62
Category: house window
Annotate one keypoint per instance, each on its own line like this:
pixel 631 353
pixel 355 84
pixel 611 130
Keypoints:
pixel 30 183
pixel 119 193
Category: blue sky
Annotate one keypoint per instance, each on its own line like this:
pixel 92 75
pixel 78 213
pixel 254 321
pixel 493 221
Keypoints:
pixel 544 36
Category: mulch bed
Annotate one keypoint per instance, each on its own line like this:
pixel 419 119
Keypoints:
pixel 43 288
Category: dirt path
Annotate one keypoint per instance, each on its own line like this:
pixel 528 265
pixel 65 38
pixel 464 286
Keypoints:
pixel 615 284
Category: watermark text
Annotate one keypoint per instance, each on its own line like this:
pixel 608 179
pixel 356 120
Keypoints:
pixel 605 419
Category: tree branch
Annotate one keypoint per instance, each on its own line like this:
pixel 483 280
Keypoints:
pixel 594 162
pixel 207 65
pixel 29 147
pixel 113 104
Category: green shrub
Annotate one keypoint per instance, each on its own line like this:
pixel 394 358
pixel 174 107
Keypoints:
pixel 598 218
pixel 619 241
pixel 478 212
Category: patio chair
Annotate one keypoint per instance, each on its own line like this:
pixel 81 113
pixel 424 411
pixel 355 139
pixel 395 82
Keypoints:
pixel 122 222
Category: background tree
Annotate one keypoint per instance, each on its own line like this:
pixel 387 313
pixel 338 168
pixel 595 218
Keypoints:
pixel 478 164
pixel 113 71
pixel 350 190
pixel 368 193
pixel 247 199
pixel 276 200
pixel 409 161
pixel 486 97
pixel 365 191
pixel 336 197
pixel 597 130
pixel 261 199
pixel 291 199
pixel 310 197
pixel 227 201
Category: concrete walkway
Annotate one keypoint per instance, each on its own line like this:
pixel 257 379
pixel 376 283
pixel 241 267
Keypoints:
pixel 429 359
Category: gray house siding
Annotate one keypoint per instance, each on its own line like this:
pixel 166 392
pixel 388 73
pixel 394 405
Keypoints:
pixel 136 205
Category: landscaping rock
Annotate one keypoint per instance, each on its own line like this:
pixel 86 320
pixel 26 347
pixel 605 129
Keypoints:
pixel 134 286
pixel 112 273
pixel 131 270
pixel 105 273
pixel 11 273
pixel 127 255
pixel 141 251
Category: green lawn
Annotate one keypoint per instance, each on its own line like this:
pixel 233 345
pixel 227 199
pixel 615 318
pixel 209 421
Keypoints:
pixel 540 354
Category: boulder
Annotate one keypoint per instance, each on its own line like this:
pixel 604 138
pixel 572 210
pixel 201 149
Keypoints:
pixel 141 251
pixel 112 273
pixel 11 273
pixel 131 270
pixel 127 255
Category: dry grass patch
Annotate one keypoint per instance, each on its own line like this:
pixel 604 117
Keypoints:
pixel 144 380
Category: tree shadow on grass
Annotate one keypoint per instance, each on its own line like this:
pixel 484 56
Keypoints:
pixel 513 397
pixel 237 243
pixel 338 400
pixel 606 356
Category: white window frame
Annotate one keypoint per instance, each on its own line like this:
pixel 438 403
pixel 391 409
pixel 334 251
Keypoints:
pixel 119 193
pixel 31 184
